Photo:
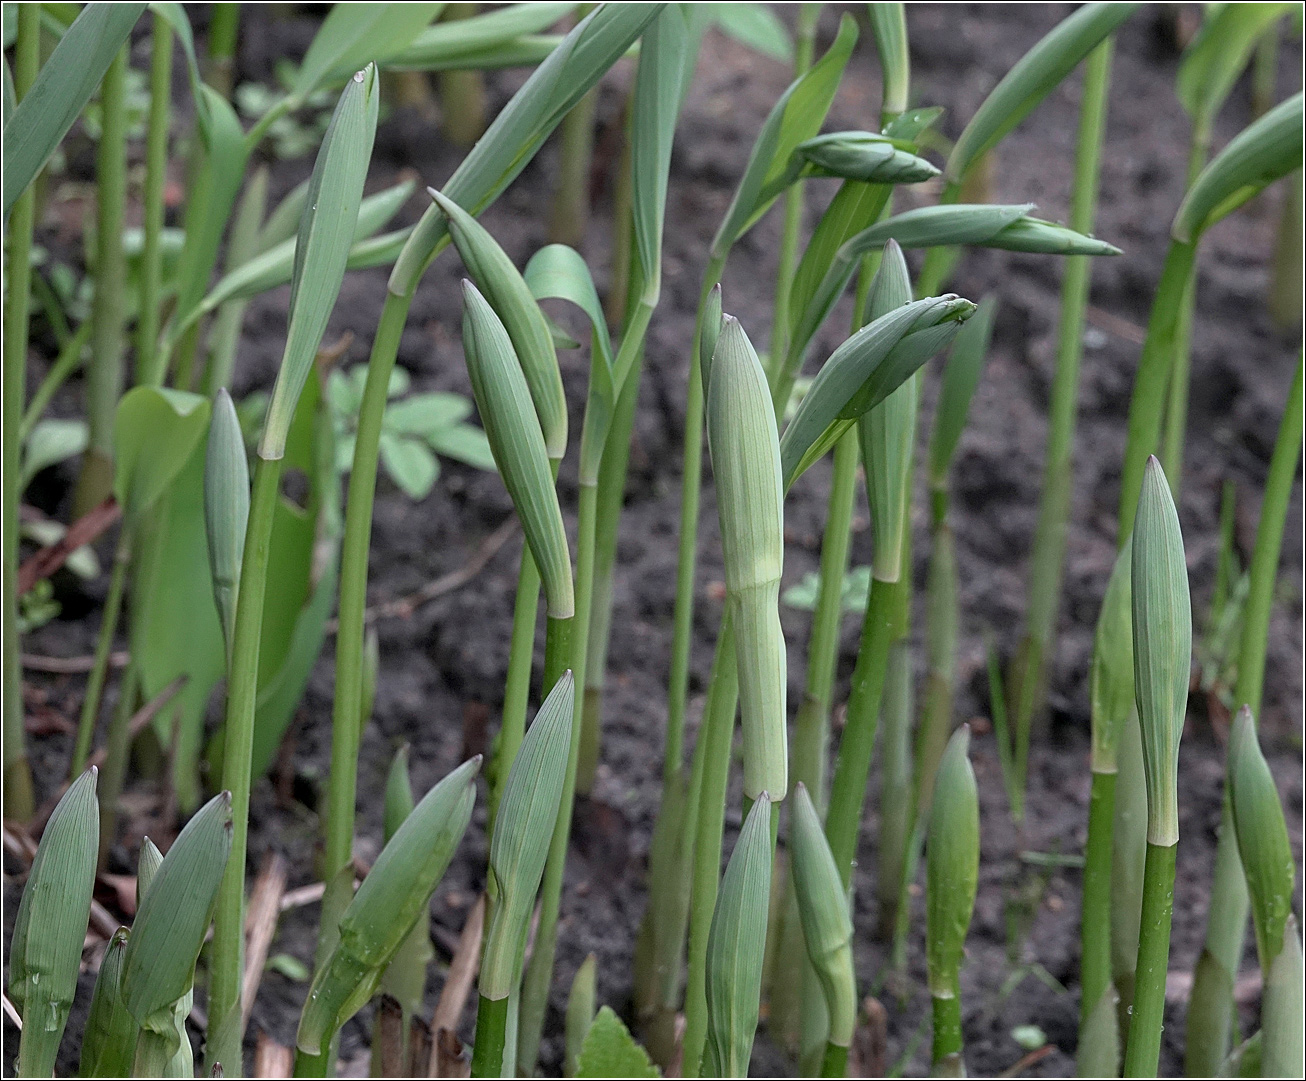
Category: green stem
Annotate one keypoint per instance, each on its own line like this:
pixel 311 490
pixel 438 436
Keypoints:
pixel 812 727
pixel 517 687
pixel 104 377
pixel 691 488
pixel 1095 926
pixel 571 197
pixel 18 798
pixel 1265 70
pixel 835 1062
pixel 882 626
pixel 156 170
pixel 70 358
pixel 462 93
pixel 539 973
pixel 219 67
pixel 1286 268
pixel 226 964
pixel 1210 1011
pixel 947 1027
pixel 1144 1050
pixel 491 1032
pixel 117 750
pixel 103 646
pixel 1152 377
pixel 717 729
pixel 1027 683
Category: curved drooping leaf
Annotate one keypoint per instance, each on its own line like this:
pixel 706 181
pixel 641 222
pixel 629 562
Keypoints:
pixel 353 35
pixel 459 41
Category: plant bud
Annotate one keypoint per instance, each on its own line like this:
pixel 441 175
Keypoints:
pixel 109 1039
pixel 1163 648
pixel 952 865
pixel 523 828
pixel 1262 838
pixel 736 944
pixel 1008 227
pixel 506 290
pixel 513 430
pixel 823 913
pixel 864 156
pixel 750 504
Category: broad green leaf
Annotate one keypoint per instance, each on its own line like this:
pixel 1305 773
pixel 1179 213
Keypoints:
pixel 410 464
pixel 443 43
pixel 155 431
pixel 322 247
pixel 521 127
pixel 1033 77
pixel 1258 155
pixel 609 1049
pixel 757 27
pixel 796 117
pixel 664 52
pixel 159 965
pixel 353 35
pixel 1218 54
pixel 50 442
pixel 427 414
pixel 464 443
pixel 63 87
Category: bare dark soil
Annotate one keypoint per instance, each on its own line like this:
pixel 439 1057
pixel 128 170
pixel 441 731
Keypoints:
pixel 442 669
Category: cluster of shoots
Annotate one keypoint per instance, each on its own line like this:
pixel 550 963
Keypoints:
pixel 227 584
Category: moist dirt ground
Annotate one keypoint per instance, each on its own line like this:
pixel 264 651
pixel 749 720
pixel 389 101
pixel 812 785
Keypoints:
pixel 442 666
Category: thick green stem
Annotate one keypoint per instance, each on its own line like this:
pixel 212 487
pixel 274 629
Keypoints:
pixel 226 965
pixel 1144 1050
pixel 18 799
pixel 1153 375
pixel 947 1027
pixel 100 664
pixel 104 377
pixel 1027 683
pixel 1095 925
pixel 539 973
pixel 156 173
pixel 491 1033
pixel 717 729
pixel 691 488
pixel 220 64
pixel 883 625
pixel 1210 1011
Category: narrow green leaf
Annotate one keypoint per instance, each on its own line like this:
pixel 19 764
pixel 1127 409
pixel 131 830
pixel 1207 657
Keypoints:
pixel 1163 648
pixel 1219 53
pixel 109 1039
pixel 889 25
pixel 579 1019
pixel 523 825
pixel 795 118
pixel 1111 677
pixel 1262 839
pixel 757 27
pixel 356 34
pixel 1033 77
pixel 159 965
pixel 735 948
pixel 458 40
pixel 322 247
pixel 961 376
pixel 63 87
pixel 45 951
pixel 226 507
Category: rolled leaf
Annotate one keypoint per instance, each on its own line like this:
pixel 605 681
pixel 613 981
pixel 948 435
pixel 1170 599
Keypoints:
pixel 1262 839
pixel 952 865
pixel 109 1039
pixel 1111 678
pixel 506 290
pixel 387 904
pixel 326 229
pixel 735 947
pixel 1163 648
pixel 1283 1051
pixel 865 156
pixel 159 965
pixel 580 1013
pixel 889 25
pixel 513 430
pixel 990 226
pixel 62 88
pixel 226 507
pixel 823 913
pixel 1032 78
pixel 750 504
pixel 522 828
pixel 1258 155
pixel 45 952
